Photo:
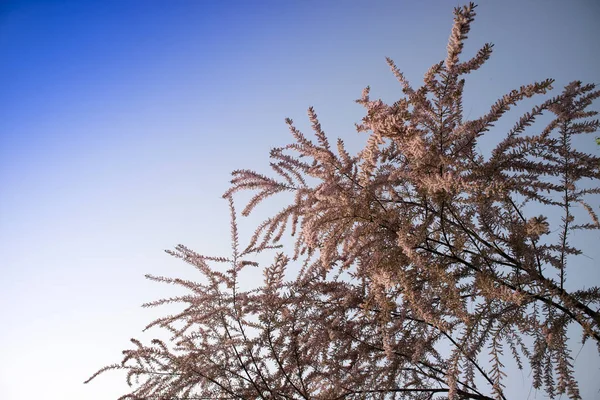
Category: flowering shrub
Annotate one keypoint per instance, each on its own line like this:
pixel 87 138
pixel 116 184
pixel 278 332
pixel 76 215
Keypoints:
pixel 423 264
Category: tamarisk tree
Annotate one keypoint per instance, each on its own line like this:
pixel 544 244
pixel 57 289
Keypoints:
pixel 419 265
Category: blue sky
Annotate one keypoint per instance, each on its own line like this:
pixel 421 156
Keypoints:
pixel 121 121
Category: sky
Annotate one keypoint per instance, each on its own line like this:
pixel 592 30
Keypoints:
pixel 120 122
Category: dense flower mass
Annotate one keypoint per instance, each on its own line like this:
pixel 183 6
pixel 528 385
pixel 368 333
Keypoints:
pixel 423 265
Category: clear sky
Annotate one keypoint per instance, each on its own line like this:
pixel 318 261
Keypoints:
pixel 120 122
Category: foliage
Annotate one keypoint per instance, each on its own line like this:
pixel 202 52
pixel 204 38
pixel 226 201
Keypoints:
pixel 423 265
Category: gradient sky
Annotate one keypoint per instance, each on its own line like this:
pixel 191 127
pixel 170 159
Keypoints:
pixel 120 122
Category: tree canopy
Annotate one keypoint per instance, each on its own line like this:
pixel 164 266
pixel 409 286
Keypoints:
pixel 420 265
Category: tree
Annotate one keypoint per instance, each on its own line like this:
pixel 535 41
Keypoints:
pixel 423 265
